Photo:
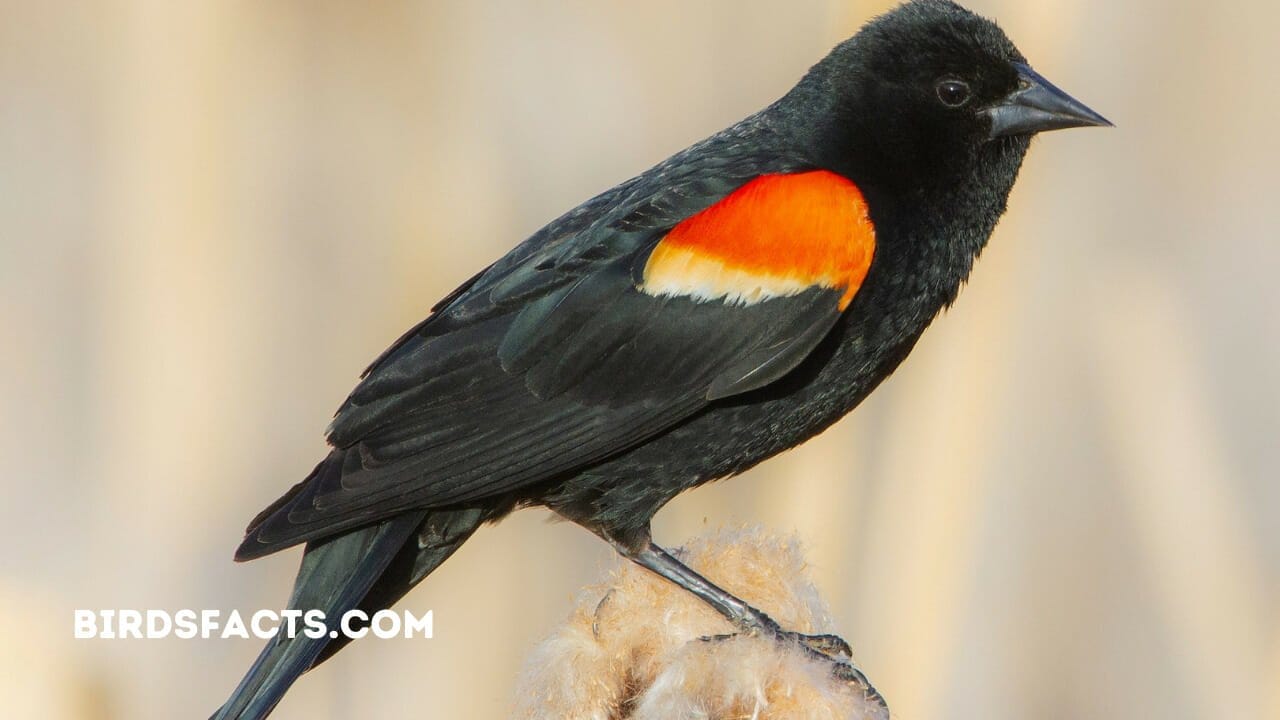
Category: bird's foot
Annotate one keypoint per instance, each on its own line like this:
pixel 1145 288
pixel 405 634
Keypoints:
pixel 831 649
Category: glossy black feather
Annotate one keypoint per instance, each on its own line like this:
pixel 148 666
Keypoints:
pixel 334 576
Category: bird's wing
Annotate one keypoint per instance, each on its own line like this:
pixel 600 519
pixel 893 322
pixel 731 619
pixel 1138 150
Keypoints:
pixel 619 322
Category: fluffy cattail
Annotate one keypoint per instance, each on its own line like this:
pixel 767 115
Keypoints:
pixel 633 647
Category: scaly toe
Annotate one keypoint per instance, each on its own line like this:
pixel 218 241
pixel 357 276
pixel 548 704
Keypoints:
pixel 830 645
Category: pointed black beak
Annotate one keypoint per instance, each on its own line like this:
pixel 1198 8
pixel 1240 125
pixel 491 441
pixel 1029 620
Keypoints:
pixel 1036 106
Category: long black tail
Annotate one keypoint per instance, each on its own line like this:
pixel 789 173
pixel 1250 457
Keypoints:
pixel 369 568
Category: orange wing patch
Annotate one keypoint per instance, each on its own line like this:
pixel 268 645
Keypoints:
pixel 777 235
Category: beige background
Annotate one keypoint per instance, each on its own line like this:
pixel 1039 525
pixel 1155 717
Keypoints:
pixel 213 214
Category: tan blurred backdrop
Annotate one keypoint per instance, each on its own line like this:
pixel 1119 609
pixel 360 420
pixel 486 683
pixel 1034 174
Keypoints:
pixel 213 214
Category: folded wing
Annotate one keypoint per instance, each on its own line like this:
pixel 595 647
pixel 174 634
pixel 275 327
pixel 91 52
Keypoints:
pixel 612 325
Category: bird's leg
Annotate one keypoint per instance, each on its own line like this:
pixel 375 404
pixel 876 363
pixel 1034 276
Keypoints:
pixel 748 619
pixel 640 549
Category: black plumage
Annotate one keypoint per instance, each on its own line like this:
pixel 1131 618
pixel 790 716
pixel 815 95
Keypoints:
pixel 552 378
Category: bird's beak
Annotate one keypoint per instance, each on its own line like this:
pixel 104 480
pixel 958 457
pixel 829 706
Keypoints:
pixel 1036 106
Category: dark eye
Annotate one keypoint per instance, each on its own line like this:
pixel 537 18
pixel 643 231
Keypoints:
pixel 954 93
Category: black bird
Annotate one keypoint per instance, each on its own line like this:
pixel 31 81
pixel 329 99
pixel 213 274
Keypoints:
pixel 726 305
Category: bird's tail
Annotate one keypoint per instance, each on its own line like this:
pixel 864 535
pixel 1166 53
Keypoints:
pixel 369 568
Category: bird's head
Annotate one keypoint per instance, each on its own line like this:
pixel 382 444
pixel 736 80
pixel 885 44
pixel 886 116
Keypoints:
pixel 928 92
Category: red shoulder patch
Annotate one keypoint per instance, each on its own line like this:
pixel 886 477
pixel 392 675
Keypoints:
pixel 777 235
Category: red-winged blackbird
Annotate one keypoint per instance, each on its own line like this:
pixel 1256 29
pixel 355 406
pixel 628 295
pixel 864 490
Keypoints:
pixel 724 306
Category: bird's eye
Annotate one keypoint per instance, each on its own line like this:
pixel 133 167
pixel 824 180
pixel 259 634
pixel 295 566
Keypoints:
pixel 953 93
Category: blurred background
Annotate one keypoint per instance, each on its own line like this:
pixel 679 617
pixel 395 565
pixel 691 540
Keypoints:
pixel 213 214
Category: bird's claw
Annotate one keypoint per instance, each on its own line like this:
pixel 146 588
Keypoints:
pixel 834 650
pixel 846 672
pixel 827 648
